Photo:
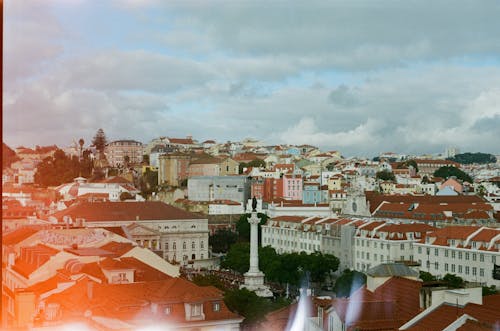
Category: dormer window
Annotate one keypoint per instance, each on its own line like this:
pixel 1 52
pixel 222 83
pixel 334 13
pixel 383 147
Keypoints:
pixel 168 310
pixel 216 306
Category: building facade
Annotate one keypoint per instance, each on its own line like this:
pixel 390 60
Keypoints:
pixel 118 151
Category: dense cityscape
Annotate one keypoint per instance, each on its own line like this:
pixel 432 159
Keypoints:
pixel 181 234
pixel 215 165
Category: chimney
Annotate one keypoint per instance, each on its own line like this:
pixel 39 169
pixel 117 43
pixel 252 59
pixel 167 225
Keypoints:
pixel 90 289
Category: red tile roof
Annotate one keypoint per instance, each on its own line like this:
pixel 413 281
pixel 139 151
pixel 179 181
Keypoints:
pixel 124 211
pixel 446 314
pixel 294 219
pixel 32 257
pixel 387 308
pixel 19 235
pixel 486 235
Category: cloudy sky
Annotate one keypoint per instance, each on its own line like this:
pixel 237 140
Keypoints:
pixel 362 77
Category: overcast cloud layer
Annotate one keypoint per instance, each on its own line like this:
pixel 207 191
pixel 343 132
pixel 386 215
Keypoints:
pixel 359 77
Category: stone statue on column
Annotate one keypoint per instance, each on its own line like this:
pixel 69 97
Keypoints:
pixel 254 278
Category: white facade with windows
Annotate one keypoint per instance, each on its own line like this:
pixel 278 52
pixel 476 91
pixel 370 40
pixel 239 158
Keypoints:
pixel 379 242
pixel 289 234
pixel 468 252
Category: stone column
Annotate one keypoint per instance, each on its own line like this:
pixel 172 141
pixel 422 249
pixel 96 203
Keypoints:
pixel 254 278
pixel 254 243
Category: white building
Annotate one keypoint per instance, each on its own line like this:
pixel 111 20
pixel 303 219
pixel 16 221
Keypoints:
pixel 183 236
pixel 469 252
pixel 295 234
pixel 379 242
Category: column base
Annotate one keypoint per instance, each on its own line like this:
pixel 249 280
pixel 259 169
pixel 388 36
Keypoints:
pixel 254 281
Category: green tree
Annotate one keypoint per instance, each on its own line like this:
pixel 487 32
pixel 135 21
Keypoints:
pixel 99 140
pixel 449 171
pixel 407 164
pixel 237 257
pixel 243 227
pixel 348 282
pixel 60 168
pixel 149 183
pixel 247 304
pixel 454 281
pixel 221 240
pixel 385 175
pixel 427 276
pixel 209 280
pixel 489 290
pixel 257 163
pixel 470 158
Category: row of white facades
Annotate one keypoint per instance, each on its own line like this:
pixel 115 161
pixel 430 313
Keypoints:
pixel 360 249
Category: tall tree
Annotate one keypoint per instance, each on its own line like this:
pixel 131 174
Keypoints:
pixel 99 140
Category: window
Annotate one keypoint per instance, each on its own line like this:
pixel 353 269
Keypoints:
pixel 216 306
pixel 459 268
pixel 174 245
pixel 446 267
pixel 481 272
pixel 184 245
pixel 402 246
pixel 436 265
pixel 460 255
pixel 168 310
pixel 202 245
pixel 419 250
pixel 481 257
pixel 452 254
pixel 474 256
pixel 196 309
pixel 452 268
pixel 375 256
pixel 193 245
pixel 436 252
pixel 445 253
pixel 166 246
pixel 467 270
pixel 474 271
pixel 467 256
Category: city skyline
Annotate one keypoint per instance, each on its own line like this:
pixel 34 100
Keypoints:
pixel 357 77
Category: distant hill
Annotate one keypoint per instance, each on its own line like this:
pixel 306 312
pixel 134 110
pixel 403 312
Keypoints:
pixel 8 156
pixel 469 158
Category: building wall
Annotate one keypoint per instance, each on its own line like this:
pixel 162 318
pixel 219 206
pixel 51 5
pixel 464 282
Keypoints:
pixel 173 169
pixel 117 150
pixel 210 188
pixel 292 187
pixel 470 264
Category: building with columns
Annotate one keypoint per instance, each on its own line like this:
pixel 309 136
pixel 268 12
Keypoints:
pixel 176 235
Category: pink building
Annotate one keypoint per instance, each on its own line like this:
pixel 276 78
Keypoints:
pixel 292 187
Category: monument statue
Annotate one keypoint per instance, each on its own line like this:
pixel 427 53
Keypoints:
pixel 254 204
pixel 254 278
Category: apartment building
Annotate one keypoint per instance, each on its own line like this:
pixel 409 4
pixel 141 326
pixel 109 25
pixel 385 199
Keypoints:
pixel 470 252
pixel 120 152
pixel 379 242
pixel 288 234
